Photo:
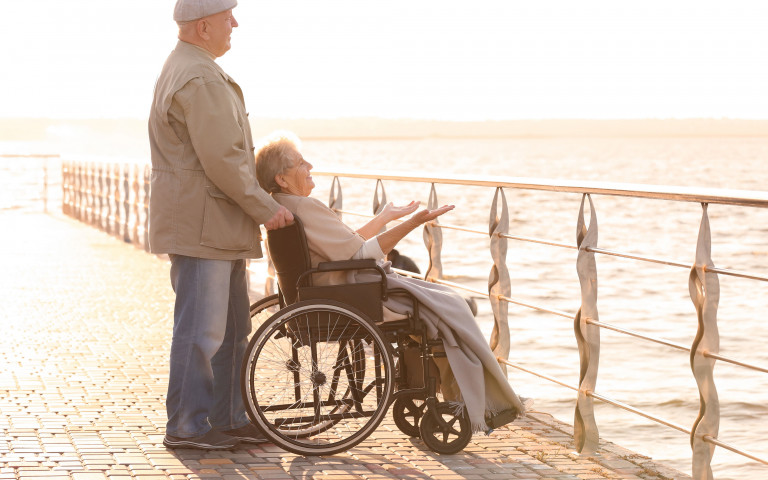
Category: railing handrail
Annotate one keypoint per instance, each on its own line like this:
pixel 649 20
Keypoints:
pixel 749 198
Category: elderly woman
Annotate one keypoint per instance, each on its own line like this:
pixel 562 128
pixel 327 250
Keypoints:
pixel 472 374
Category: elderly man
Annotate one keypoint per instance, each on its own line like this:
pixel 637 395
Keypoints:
pixel 205 211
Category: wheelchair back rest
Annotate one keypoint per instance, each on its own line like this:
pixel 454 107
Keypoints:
pixel 290 255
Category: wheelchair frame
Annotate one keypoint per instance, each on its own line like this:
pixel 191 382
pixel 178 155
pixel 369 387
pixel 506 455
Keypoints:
pixel 319 374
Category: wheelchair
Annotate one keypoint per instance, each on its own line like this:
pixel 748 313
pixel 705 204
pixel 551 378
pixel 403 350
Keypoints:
pixel 326 362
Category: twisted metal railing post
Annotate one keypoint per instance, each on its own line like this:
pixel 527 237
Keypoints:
pixel 585 431
pixel 433 239
pixel 378 203
pixel 498 280
pixel 704 288
pixel 335 197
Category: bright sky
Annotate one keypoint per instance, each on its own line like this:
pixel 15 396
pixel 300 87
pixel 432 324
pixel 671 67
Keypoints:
pixel 442 59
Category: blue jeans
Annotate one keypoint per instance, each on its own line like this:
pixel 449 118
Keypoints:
pixel 211 324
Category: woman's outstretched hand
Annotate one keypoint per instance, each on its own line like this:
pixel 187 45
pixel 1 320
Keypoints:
pixel 427 215
pixel 391 212
pixel 388 239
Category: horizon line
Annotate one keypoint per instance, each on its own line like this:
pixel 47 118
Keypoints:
pixel 418 119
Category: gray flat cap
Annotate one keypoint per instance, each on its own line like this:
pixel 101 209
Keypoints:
pixel 187 10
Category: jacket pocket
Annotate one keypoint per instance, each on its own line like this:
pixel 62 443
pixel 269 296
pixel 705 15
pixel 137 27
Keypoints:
pixel 225 225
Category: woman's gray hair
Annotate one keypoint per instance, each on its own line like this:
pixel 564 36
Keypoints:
pixel 275 157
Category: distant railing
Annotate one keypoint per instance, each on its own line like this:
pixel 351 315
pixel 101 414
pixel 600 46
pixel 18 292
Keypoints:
pixel 115 198
pixel 112 197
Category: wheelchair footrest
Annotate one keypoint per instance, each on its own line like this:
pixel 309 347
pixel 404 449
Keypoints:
pixel 502 418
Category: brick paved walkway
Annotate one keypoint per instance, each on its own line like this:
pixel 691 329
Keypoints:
pixel 85 331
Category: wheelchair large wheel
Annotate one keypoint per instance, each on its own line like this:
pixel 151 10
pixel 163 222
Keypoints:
pixel 318 378
pixel 450 438
pixel 260 312
pixel 262 309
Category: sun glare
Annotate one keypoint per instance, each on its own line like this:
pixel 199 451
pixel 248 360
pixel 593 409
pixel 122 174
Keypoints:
pixel 453 60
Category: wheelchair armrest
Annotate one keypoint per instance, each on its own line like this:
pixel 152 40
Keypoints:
pixel 345 265
pixel 363 263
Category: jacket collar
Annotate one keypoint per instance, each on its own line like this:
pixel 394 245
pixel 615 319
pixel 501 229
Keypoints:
pixel 199 52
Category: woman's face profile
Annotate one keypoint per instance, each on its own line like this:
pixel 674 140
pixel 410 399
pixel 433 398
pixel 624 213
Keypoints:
pixel 297 179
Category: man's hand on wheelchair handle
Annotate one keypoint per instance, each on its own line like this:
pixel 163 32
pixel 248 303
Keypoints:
pixel 280 219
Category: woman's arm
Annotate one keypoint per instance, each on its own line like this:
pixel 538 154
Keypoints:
pixel 389 239
pixel 387 214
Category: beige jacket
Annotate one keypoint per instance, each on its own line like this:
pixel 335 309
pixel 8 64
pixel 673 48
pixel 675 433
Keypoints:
pixel 205 201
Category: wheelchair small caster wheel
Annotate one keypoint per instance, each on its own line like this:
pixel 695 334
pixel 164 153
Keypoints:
pixel 407 412
pixel 452 437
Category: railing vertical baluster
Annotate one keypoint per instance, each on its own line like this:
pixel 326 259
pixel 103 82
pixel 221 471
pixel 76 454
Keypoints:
pixel 116 198
pixel 100 195
pixel 85 187
pixel 147 176
pixel 335 200
pixel 378 203
pixel 126 203
pixel 105 208
pixel 88 191
pixel 498 280
pixel 73 189
pixel 78 193
pixel 585 431
pixel 704 288
pixel 108 199
pixel 135 204
pixel 92 193
pixel 66 207
pixel 433 239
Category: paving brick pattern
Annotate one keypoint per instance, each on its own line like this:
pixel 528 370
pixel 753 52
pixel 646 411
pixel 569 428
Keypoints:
pixel 85 332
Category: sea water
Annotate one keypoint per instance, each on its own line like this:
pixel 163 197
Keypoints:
pixel 649 298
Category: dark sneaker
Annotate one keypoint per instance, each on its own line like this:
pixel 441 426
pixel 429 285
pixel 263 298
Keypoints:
pixel 246 434
pixel 212 440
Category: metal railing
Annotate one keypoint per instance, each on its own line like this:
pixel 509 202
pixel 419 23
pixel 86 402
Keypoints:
pixel 115 198
pixel 703 287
